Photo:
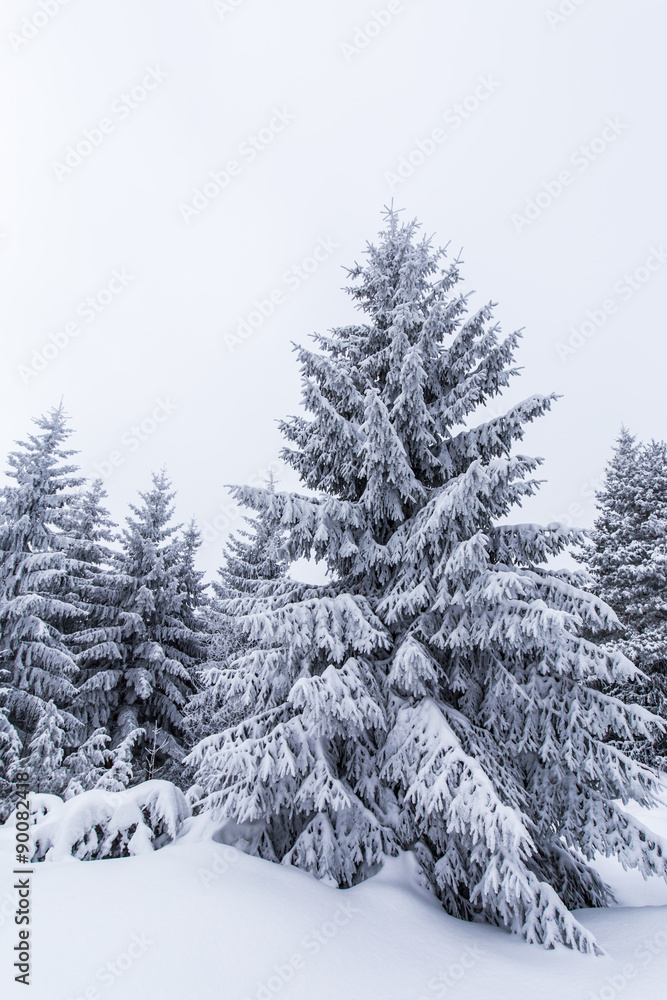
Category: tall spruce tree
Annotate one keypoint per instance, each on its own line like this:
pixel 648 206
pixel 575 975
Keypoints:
pixel 100 644
pixel 254 559
pixel 10 752
pixel 46 752
pixel 191 579
pixel 437 695
pixel 627 558
pixel 254 568
pixel 35 572
pixel 158 672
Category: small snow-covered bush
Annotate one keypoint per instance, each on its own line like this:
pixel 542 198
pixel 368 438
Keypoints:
pixel 100 824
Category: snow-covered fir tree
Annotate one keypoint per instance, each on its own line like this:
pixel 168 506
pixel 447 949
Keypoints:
pixel 10 752
pixel 627 558
pixel 157 675
pixel 46 751
pixel 254 567
pixel 120 774
pixel 191 578
pixel 95 764
pixel 438 695
pixel 200 614
pixel 85 767
pixel 253 559
pixel 100 642
pixel 35 574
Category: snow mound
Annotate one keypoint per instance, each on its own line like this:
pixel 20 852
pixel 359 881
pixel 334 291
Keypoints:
pixel 99 824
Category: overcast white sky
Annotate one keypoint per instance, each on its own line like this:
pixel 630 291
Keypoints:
pixel 337 92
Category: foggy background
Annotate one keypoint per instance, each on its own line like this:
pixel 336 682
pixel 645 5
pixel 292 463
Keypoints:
pixel 115 114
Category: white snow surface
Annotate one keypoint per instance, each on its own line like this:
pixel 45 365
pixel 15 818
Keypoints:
pixel 199 919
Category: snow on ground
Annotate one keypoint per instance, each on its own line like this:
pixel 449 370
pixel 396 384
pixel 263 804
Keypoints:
pixel 198 919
